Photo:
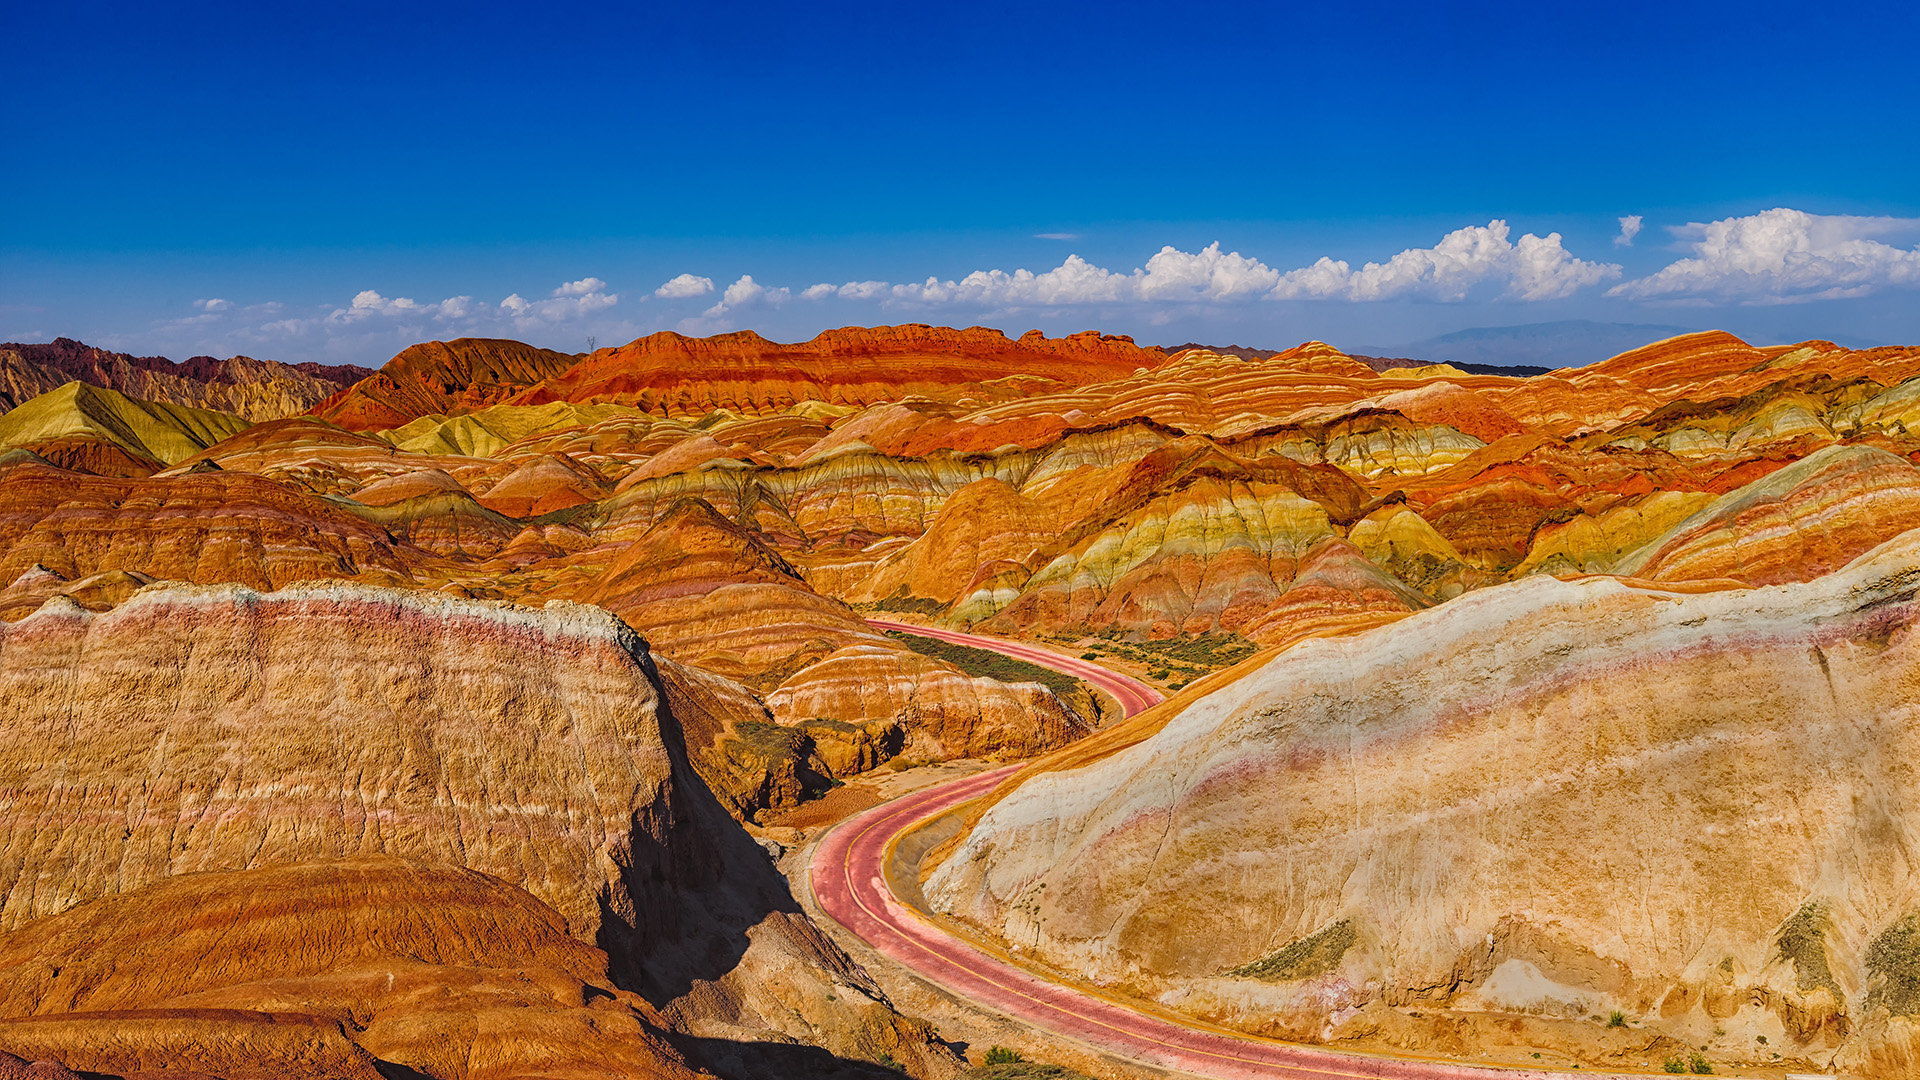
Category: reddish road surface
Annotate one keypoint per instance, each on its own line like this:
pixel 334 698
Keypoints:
pixel 850 885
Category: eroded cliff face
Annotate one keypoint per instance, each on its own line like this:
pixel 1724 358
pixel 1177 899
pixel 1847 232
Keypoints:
pixel 1551 797
pixel 219 729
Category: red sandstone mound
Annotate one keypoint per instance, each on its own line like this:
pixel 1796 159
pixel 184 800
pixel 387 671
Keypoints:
pixel 204 527
pixel 744 372
pixel 439 377
pixel 324 970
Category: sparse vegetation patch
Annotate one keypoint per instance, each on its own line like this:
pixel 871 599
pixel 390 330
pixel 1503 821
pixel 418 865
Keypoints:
pixel 1315 954
pixel 983 663
pixel 900 603
pixel 1893 962
pixel 1803 941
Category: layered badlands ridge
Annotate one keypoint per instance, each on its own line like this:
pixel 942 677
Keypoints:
pixel 304 833
pixel 742 504
pixel 255 389
pixel 1550 799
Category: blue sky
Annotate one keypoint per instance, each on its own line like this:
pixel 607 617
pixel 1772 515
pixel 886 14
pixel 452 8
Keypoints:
pixel 336 181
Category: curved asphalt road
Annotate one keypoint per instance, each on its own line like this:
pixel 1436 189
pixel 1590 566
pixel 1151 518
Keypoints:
pixel 849 883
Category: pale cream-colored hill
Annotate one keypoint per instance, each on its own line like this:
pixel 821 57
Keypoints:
pixel 1544 800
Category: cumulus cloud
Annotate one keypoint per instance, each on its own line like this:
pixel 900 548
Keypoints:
pixel 1534 268
pixel 746 293
pixel 684 287
pixel 1531 268
pixel 1782 256
pixel 368 304
pixel 1629 228
pixel 571 300
pixel 1170 275
pixel 586 286
pixel 852 290
pixel 215 304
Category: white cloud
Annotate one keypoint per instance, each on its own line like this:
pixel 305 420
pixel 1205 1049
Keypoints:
pixel 1056 236
pixel 214 304
pixel 852 290
pixel 1170 275
pixel 684 286
pixel 1533 268
pixel 571 300
pixel 586 286
pixel 459 307
pixel 1536 268
pixel 1629 228
pixel 1175 275
pixel 746 293
pixel 1782 256
pixel 368 303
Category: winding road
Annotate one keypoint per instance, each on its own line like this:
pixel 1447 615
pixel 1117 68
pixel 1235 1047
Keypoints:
pixel 849 881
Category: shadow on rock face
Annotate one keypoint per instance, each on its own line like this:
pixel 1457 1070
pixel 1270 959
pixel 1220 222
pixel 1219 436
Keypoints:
pixel 694 897
pixel 789 1060
pixel 718 943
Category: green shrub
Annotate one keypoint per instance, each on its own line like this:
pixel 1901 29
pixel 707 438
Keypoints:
pixel 1675 1065
pixel 1616 1018
pixel 1698 1064
pixel 1089 656
pixel 1000 1055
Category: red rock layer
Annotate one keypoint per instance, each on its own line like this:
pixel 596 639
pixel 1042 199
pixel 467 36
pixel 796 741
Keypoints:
pixel 325 970
pixel 708 592
pixel 204 527
pixel 1806 520
pixel 441 377
pixel 744 372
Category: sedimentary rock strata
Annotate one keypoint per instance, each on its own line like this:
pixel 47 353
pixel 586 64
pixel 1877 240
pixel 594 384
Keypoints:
pixel 205 527
pixel 199 729
pixel 1550 797
pixel 63 423
pixel 441 377
pixel 257 390
pixel 323 970
pixel 1455 704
